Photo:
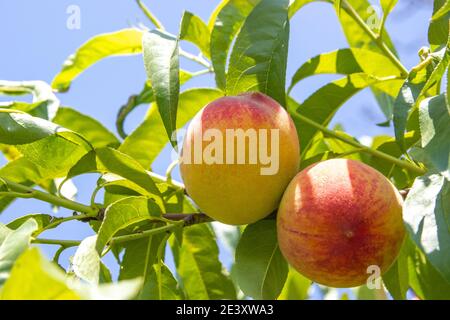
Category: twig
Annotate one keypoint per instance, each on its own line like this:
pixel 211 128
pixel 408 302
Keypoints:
pixel 150 15
pixel 363 148
pixel 378 40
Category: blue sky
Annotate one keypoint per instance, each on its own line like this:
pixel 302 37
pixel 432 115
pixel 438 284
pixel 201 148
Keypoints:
pixel 36 41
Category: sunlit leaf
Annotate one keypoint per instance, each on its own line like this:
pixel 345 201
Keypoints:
pixel 161 62
pixel 122 42
pixel 34 278
pixel 21 128
pixel 98 135
pixel 161 285
pixel 107 160
pixel 346 61
pixel 358 37
pixel 434 118
pixel 426 213
pixel 194 30
pixel 388 6
pixel 86 261
pixel 124 213
pixel 396 279
pixel 13 245
pixel 226 23
pixel 261 270
pixel 324 103
pixel 296 5
pixel 146 142
pixel 259 58
pixel 42 220
pixel 144 97
pixel 54 154
pixel 199 268
pixel 296 287
pixel 45 103
pixel 439 27
pixel 443 11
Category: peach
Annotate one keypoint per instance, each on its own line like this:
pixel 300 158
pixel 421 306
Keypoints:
pixel 339 221
pixel 239 155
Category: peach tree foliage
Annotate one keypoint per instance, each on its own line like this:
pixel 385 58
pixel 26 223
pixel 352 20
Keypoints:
pixel 47 144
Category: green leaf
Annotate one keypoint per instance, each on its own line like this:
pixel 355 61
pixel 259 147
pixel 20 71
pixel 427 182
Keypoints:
pixel 416 87
pixel 194 30
pixel 439 27
pixel 107 160
pixel 124 213
pixel 21 128
pixel 10 152
pixel 426 282
pixel 227 21
pixel 34 278
pixel 42 220
pixel 86 261
pixel 4 232
pixel 388 6
pixel 122 42
pixel 296 287
pixel 322 105
pixel 161 285
pixel 202 275
pixel 144 97
pixel 53 154
pixel 404 102
pixel 13 245
pixel 401 177
pixel 346 61
pixel 161 62
pixel 396 279
pixel 412 269
pixel 296 5
pixel 443 11
pixel 25 172
pixel 91 129
pixel 426 213
pixel 261 270
pixel 338 6
pixel 259 58
pixel 105 274
pixel 45 103
pixel 141 259
pixel 434 80
pixel 146 142
pixel 434 118
pixel 357 37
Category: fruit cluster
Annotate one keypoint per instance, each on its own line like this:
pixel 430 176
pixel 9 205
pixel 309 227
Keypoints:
pixel 335 218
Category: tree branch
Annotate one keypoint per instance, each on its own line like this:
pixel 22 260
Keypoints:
pixel 378 40
pixel 363 148
pixel 20 191
pixel 150 15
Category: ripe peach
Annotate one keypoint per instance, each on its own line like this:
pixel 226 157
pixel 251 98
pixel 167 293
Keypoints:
pixel 337 218
pixel 248 153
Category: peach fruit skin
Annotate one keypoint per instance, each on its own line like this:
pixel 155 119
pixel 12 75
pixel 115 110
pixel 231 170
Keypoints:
pixel 237 193
pixel 337 218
